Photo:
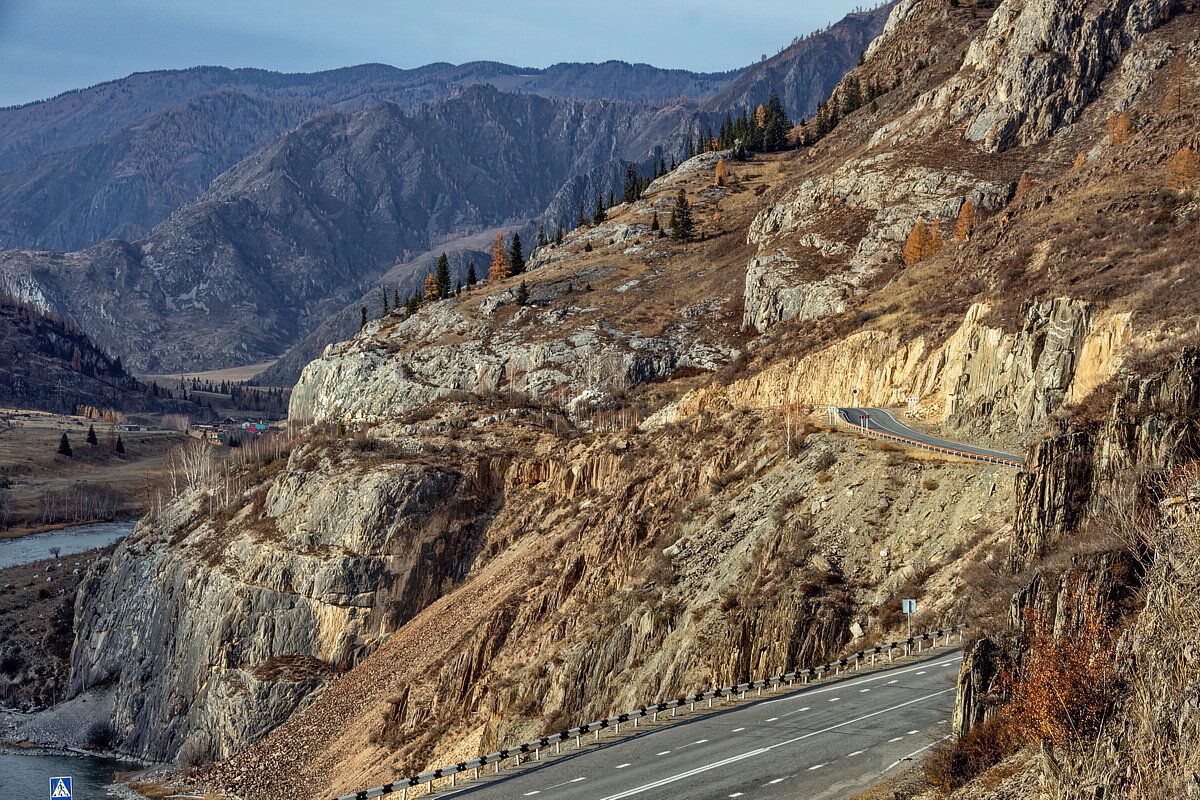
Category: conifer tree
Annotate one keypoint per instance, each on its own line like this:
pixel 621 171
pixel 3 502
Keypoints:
pixel 720 173
pixel 1174 98
pixel 516 259
pixel 430 288
pixel 579 223
pixel 1183 171
pixel 558 237
pixel 598 215
pixel 500 266
pixel 916 244
pixel 612 200
pixel 363 323
pixel 396 297
pixel 966 222
pixel 1024 187
pixel 120 446
pixel 1120 127
pixel 471 277
pixel 64 447
pixel 91 437
pixel 522 294
pixel 587 246
pixel 441 276
pixel 633 185
pixel 542 241
pixel 777 125
pixel 383 293
pixel 683 227
pixel 654 226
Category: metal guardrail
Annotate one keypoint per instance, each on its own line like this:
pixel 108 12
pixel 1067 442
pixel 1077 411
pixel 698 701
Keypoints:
pixel 537 745
pixel 1008 462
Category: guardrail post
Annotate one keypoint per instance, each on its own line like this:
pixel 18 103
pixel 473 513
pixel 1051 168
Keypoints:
pixel 578 741
pixel 655 717
pixel 476 773
pixel 872 659
pixel 404 793
pixel 710 702
pixel 960 635
pixel 891 653
pixel 618 729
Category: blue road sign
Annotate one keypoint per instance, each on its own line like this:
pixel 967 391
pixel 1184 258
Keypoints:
pixel 60 789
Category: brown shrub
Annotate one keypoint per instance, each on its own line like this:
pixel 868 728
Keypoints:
pixel 1066 684
pixel 954 762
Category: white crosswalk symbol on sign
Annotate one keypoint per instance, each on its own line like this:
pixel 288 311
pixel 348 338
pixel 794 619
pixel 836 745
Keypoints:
pixel 60 788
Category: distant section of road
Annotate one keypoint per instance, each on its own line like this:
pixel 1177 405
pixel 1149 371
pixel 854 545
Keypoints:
pixel 882 422
pixel 824 742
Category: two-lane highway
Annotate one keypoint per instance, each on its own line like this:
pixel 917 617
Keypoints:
pixel 883 421
pixel 826 741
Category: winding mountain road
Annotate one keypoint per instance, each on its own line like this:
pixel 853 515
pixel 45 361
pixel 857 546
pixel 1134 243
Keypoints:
pixel 826 741
pixel 882 422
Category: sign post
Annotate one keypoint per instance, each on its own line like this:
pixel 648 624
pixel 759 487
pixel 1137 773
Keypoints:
pixel 864 421
pixel 60 789
pixel 909 607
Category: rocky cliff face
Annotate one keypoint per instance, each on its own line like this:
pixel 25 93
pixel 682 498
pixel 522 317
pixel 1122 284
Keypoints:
pixel 982 382
pixel 1086 466
pixel 246 609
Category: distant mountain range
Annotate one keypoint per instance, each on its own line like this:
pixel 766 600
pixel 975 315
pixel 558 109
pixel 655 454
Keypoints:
pixel 211 217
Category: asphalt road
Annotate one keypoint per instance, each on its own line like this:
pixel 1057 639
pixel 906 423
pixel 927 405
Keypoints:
pixel 827 741
pixel 881 420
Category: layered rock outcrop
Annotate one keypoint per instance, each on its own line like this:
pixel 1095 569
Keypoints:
pixel 983 379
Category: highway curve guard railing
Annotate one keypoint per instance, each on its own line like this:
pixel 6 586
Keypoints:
pixel 1008 462
pixel 536 746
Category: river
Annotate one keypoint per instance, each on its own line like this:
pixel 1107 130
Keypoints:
pixel 75 539
pixel 25 777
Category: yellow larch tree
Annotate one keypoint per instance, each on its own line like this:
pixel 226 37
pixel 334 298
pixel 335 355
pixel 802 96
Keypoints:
pixel 721 173
pixel 966 222
pixel 1183 170
pixel 500 269
pixel 933 241
pixel 916 244
pixel 1024 186
pixel 1120 127
pixel 431 287
pixel 1177 86
pixel 1080 161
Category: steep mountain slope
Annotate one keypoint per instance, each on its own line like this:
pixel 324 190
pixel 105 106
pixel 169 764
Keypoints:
pixel 50 365
pixel 519 509
pixel 87 115
pixel 121 186
pixel 114 160
pixel 804 73
pixel 302 227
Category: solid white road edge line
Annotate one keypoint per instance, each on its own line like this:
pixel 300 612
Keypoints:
pixel 913 753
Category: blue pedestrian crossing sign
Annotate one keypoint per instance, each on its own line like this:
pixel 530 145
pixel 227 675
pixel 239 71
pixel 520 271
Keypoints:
pixel 60 789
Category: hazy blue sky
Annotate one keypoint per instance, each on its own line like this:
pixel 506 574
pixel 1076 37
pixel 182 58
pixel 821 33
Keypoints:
pixel 48 46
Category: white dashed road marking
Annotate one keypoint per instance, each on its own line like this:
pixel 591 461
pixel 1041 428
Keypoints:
pixel 772 719
pixel 898 738
pixel 735 730
pixel 663 753
pixel 759 751
pixel 856 753
pixel 818 766
pixel 622 766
